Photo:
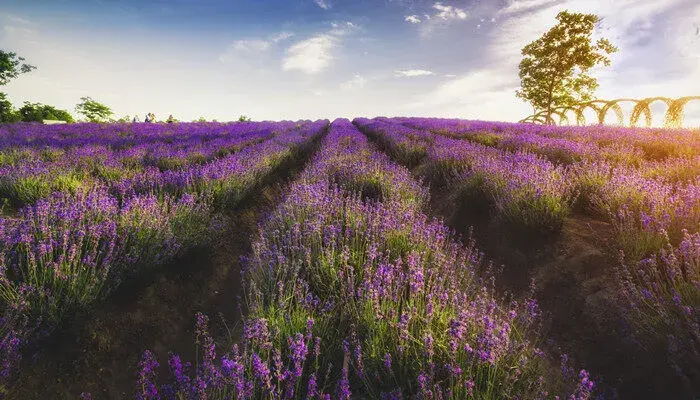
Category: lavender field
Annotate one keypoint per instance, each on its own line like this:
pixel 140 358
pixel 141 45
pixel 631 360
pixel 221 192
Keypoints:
pixel 387 258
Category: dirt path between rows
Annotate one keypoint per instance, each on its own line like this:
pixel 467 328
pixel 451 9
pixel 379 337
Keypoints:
pixel 575 275
pixel 99 352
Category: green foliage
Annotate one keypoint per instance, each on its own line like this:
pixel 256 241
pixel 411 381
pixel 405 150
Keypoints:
pixel 243 118
pixel 11 66
pixel 93 111
pixel 37 112
pixel 125 118
pixel 200 119
pixel 7 112
pixel 554 69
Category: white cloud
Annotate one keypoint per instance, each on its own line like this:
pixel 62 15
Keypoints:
pixel 312 55
pixel 357 82
pixel 412 73
pixel 449 12
pixel 443 16
pixel 323 4
pixel 414 19
pixel 315 54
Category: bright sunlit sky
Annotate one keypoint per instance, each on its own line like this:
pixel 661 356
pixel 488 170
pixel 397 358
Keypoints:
pixel 294 59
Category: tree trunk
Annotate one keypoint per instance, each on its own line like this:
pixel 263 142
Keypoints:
pixel 550 95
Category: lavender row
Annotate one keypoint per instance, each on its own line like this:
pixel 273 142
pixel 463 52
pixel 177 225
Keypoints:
pixel 640 206
pixel 137 151
pixel 25 179
pixel 354 293
pixel 36 137
pixel 67 252
pixel 656 222
pixel 648 204
pixel 653 143
pixel 681 166
pixel 521 189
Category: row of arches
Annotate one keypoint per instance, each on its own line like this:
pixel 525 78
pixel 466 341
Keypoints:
pixel 642 108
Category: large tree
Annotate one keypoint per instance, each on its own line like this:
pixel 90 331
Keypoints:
pixel 554 69
pixel 11 65
pixel 93 110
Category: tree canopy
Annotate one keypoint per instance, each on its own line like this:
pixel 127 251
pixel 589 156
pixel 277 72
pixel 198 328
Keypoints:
pixel 554 69
pixel 11 66
pixel 93 111
pixel 37 112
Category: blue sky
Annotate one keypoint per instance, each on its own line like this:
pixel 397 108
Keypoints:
pixel 292 59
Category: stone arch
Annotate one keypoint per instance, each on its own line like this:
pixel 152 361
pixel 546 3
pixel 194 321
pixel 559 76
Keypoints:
pixel 614 105
pixel 643 106
pixel 674 113
pixel 582 107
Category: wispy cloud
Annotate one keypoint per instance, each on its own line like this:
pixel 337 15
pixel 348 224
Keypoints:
pixel 323 4
pixel 342 29
pixel 449 12
pixel 440 15
pixel 282 36
pixel 252 52
pixel 479 94
pixel 525 6
pixel 412 73
pixel 357 82
pixel 251 45
pixel 414 19
pixel 15 19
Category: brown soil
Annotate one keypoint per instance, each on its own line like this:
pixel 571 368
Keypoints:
pixel 99 352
